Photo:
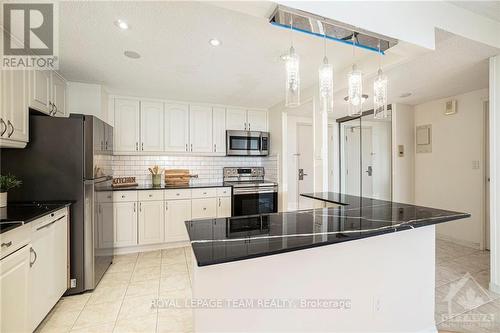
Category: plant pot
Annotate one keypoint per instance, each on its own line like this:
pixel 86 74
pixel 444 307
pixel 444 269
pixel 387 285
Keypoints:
pixel 3 199
pixel 156 180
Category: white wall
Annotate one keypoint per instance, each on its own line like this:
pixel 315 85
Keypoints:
pixel 403 133
pixel 445 178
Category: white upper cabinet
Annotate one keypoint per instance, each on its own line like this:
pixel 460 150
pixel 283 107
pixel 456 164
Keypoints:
pixel 200 129
pixel 58 95
pixel 219 130
pixel 14 108
pixel 126 135
pixel 176 127
pixel 257 120
pixel 236 119
pixel 40 90
pixel 152 126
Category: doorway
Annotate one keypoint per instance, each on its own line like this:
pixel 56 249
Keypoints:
pixel 305 164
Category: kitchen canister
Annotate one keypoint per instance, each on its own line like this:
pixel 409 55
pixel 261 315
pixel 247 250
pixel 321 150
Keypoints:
pixel 156 180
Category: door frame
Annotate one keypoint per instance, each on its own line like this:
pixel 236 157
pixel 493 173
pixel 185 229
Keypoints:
pixel 486 228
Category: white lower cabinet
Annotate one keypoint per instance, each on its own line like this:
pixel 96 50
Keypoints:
pixel 125 223
pixel 151 215
pixel 176 213
pixel 224 207
pixel 204 208
pixel 14 288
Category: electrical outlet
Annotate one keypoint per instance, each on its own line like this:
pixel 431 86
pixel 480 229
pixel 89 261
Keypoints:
pixel 377 305
pixel 72 283
pixel 475 165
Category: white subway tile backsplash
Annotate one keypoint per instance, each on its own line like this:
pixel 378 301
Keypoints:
pixel 208 168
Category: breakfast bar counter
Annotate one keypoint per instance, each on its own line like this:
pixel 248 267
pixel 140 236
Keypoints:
pixel 366 258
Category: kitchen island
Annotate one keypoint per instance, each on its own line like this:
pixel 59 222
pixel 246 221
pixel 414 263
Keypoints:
pixel 367 265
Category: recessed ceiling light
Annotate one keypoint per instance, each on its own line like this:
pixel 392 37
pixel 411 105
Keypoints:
pixel 121 24
pixel 214 42
pixel 132 54
pixel 407 94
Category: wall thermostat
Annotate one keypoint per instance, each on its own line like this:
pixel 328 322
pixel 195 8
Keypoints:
pixel 451 107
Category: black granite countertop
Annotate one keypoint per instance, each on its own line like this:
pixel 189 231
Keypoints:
pixel 223 240
pixel 165 187
pixel 19 213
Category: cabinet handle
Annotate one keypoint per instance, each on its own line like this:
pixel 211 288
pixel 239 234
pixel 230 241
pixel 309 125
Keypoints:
pixel 249 127
pixel 166 205
pixel 137 146
pixel 177 194
pixel 55 109
pixel 215 147
pixel 106 145
pixel 36 256
pixel 245 126
pixel 134 207
pixel 191 147
pixel 7 244
pixel 140 206
pixel 204 208
pixel 123 196
pixel 12 127
pixel 219 202
pixel 4 124
pixel 186 147
pixel 142 146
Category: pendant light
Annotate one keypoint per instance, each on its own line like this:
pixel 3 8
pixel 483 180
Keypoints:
pixel 292 83
pixel 380 92
pixel 326 82
pixel 355 86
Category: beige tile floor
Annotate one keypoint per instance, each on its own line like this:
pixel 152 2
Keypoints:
pixel 123 300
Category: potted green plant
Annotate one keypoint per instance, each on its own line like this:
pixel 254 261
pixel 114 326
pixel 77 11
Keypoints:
pixel 7 182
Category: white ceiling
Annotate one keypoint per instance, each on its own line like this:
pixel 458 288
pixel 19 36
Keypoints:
pixel 178 63
pixel 489 9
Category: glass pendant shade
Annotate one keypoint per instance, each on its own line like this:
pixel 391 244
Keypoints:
pixel 326 86
pixel 355 92
pixel 380 96
pixel 292 84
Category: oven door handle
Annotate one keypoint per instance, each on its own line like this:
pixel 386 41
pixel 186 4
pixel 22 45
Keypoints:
pixel 253 191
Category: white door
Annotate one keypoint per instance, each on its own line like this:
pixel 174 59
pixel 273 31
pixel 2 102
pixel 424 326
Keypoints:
pixel 126 133
pixel 105 229
pixel 352 154
pixel 14 289
pixel 176 127
pixel 152 126
pixel 125 223
pixel 177 212
pixel 219 130
pixel 367 162
pixel 200 129
pixel 40 91
pixel 236 119
pixel 305 165
pixel 224 207
pixel 59 94
pixel 14 105
pixel 257 120
pixel 151 222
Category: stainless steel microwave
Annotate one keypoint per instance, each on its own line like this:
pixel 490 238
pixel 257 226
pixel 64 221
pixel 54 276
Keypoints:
pixel 247 143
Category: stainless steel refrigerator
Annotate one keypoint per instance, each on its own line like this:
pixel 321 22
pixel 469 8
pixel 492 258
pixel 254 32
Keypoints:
pixel 70 159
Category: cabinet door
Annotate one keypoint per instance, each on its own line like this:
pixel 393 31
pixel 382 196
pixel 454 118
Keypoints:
pixel 125 223
pixel 14 105
pixel 42 274
pixel 200 129
pixel 104 225
pixel 219 130
pixel 236 119
pixel 40 91
pixel 257 120
pixel 60 258
pixel 152 126
pixel 176 127
pixel 14 288
pixel 176 213
pixel 151 222
pixel 126 134
pixel 59 94
pixel 224 207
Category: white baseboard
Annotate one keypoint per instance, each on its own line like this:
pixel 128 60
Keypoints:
pixel 458 241
pixel 149 247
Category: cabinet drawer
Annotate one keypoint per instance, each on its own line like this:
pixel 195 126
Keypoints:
pixel 153 195
pixel 55 216
pixel 177 194
pixel 204 193
pixel 123 196
pixel 204 208
pixel 223 191
pixel 14 239
pixel 105 196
